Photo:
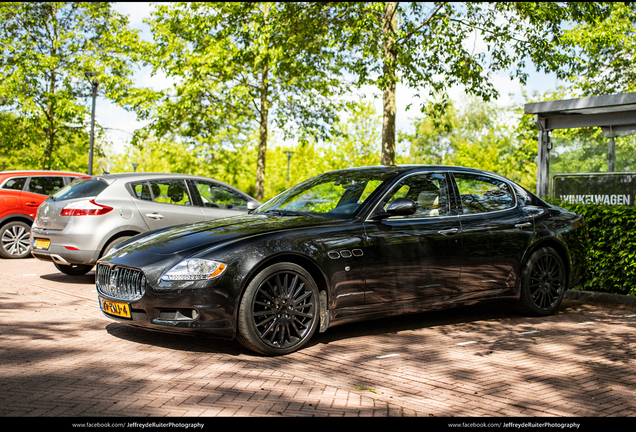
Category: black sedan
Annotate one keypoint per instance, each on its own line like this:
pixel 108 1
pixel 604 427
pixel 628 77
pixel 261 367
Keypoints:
pixel 348 245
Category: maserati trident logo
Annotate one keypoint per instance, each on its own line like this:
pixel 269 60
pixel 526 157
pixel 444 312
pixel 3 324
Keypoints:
pixel 112 281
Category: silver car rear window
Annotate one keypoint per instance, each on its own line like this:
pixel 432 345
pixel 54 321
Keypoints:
pixel 81 189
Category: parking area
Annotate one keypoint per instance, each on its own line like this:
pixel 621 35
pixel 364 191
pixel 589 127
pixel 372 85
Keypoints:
pixel 61 357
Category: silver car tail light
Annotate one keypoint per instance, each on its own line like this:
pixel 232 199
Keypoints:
pixel 85 208
pixel 120 282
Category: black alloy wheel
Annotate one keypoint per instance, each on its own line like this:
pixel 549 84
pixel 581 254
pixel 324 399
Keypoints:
pixel 14 240
pixel 544 283
pixel 279 311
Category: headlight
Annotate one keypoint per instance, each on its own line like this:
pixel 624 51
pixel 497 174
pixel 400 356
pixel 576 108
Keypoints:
pixel 194 269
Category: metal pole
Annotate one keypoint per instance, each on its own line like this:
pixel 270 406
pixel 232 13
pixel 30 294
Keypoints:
pixel 94 84
pixel 92 143
pixel 289 154
pixel 543 160
pixel 611 152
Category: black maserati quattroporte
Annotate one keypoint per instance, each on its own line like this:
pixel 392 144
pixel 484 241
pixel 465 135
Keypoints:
pixel 348 245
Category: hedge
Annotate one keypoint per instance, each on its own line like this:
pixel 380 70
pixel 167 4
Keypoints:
pixel 612 247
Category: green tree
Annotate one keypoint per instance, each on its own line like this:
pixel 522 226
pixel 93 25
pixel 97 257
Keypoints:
pixel 45 49
pixel 356 140
pixel 479 135
pixel 606 52
pixel 22 146
pixel 230 164
pixel 237 65
pixel 354 143
pixel 433 46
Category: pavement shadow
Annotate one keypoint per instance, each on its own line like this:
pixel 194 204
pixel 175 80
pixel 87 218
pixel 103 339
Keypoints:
pixel 175 341
pixel 487 310
pixel 88 278
pixel 383 326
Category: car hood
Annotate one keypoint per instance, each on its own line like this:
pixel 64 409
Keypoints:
pixel 188 239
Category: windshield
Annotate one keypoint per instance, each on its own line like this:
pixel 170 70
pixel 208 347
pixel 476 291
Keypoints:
pixel 81 189
pixel 337 194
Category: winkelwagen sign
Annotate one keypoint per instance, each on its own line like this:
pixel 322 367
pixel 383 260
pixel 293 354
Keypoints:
pixel 595 188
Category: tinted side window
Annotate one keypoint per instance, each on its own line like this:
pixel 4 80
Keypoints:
pixel 170 192
pixel 81 189
pixel 142 191
pixel 16 183
pixel 429 191
pixel 45 185
pixel 483 194
pixel 215 196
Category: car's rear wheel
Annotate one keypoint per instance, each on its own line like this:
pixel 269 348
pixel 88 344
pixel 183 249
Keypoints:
pixel 279 311
pixel 14 240
pixel 73 269
pixel 544 281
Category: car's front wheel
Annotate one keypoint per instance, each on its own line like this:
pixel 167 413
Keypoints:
pixel 73 269
pixel 14 240
pixel 279 311
pixel 544 281
pixel 114 243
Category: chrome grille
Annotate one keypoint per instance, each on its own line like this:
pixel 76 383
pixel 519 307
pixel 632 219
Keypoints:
pixel 120 282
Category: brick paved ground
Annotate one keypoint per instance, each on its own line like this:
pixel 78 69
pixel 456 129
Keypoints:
pixel 60 357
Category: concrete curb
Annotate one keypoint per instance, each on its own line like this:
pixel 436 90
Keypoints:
pixel 601 297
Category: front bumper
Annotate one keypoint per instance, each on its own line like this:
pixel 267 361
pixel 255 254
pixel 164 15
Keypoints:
pixel 204 308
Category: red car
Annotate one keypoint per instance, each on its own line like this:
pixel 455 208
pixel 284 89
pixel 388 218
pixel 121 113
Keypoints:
pixel 21 193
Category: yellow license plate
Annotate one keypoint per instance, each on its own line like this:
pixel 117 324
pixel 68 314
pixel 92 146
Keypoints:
pixel 117 309
pixel 42 244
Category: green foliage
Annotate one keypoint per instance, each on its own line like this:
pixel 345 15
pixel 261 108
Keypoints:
pixel 45 49
pixel 23 145
pixel 612 247
pixel 237 65
pixel 432 47
pixel 231 165
pixel 606 49
pixel 479 135
pixel 231 158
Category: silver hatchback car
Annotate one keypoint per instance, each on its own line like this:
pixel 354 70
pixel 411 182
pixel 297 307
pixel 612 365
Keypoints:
pixel 84 220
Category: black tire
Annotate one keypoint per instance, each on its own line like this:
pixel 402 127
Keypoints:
pixel 544 282
pixel 279 311
pixel 14 240
pixel 114 243
pixel 73 269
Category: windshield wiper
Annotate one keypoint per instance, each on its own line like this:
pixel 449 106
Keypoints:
pixel 289 213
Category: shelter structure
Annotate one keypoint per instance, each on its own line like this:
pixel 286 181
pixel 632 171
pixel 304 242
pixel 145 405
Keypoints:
pixel 615 114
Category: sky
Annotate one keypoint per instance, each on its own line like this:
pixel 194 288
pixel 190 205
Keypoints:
pixel 120 124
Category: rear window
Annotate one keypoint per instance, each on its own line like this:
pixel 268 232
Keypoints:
pixel 81 189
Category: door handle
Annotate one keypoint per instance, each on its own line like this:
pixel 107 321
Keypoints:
pixel 154 216
pixel 523 225
pixel 450 231
pixel 32 204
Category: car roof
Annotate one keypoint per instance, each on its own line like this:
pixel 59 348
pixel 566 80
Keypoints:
pixel 146 175
pixel 35 172
pixel 398 169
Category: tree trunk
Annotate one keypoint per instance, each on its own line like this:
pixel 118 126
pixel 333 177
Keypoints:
pixel 262 144
pixel 388 97
pixel 50 130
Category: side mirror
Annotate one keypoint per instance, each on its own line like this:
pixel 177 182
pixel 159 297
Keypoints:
pixel 398 207
pixel 251 205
